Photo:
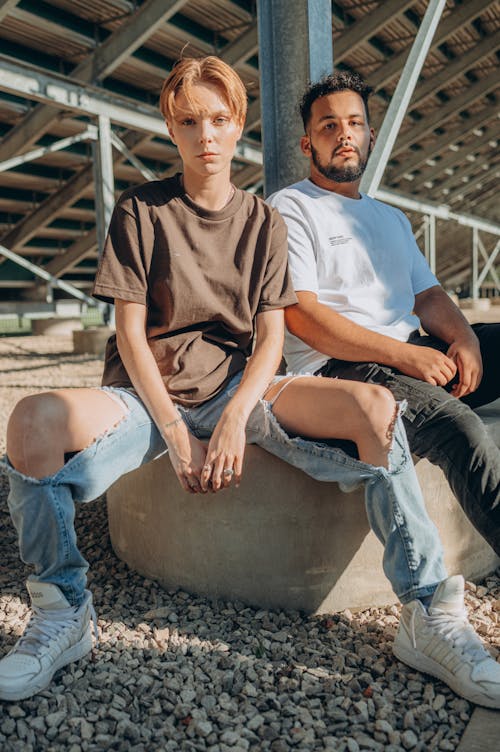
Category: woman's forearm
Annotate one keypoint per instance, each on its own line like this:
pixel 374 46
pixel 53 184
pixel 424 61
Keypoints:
pixel 141 365
pixel 261 366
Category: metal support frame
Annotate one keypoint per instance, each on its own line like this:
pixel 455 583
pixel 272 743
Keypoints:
pixel 430 240
pixel 103 180
pixel 479 277
pixel 89 134
pixel 401 98
pixel 295 41
pixel 53 281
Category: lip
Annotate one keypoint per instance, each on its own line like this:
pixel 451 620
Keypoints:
pixel 207 154
pixel 345 152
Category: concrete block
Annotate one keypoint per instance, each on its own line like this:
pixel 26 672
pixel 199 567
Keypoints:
pixel 92 340
pixel 56 325
pixel 281 540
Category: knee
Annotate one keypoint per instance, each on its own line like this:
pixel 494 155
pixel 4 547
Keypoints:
pixel 32 417
pixel 379 407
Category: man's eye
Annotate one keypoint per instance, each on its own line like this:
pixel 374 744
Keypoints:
pixel 221 120
pixel 187 121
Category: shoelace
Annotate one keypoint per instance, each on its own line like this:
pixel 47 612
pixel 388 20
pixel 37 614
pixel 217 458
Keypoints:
pixel 45 626
pixel 456 629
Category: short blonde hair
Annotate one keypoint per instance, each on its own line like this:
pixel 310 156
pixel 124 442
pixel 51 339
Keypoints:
pixel 191 71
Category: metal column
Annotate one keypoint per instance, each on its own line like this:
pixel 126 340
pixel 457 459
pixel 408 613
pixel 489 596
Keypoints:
pixel 475 265
pixel 295 45
pixel 103 180
pixel 104 184
pixel 401 98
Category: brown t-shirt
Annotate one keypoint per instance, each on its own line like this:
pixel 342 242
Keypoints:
pixel 203 276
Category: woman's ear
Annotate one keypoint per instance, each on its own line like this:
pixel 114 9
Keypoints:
pixel 170 134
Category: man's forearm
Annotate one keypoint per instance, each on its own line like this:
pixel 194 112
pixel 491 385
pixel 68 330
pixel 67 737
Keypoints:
pixel 440 316
pixel 336 336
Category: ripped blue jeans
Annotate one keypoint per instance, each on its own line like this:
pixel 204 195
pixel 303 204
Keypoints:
pixel 43 510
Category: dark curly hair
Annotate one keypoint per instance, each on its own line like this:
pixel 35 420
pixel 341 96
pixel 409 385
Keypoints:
pixel 339 81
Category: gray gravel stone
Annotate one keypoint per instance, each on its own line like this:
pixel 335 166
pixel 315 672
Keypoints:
pixel 180 673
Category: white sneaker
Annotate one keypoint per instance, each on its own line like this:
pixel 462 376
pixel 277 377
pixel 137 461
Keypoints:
pixel 57 634
pixel 441 642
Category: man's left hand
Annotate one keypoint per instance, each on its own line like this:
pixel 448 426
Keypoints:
pixel 467 355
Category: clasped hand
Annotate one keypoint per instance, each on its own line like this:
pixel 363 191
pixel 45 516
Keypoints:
pixel 439 369
pixel 201 468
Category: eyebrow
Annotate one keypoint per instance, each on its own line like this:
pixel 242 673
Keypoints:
pixel 181 114
pixel 336 117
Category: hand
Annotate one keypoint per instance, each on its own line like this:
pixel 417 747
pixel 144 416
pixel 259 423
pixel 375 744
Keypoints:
pixel 427 364
pixel 466 353
pixel 225 452
pixel 187 455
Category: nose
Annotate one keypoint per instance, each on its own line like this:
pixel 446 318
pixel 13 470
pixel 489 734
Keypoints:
pixel 206 132
pixel 344 134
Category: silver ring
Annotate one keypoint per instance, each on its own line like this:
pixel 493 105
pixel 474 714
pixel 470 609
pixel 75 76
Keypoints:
pixel 228 472
pixel 206 467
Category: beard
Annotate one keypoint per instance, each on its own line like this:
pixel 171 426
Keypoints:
pixel 347 174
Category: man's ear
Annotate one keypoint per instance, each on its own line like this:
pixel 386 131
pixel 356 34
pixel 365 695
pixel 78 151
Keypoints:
pixel 373 138
pixel 305 145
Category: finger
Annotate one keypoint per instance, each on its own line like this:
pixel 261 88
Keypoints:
pixel 228 473
pixel 217 472
pixel 238 469
pixel 192 481
pixel 184 483
pixel 206 473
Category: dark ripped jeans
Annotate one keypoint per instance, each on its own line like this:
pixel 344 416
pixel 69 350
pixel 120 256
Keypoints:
pixel 445 430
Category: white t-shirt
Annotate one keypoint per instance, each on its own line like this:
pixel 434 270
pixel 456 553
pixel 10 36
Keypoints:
pixel 358 255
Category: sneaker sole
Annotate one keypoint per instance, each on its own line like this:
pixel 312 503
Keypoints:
pixel 422 663
pixel 72 654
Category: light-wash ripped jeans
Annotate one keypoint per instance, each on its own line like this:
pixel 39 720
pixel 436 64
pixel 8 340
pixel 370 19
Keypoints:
pixel 43 510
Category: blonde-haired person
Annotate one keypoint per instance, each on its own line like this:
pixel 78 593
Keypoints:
pixel 197 271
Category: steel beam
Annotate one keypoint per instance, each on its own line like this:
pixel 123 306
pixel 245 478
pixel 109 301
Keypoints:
pixel 53 281
pixel 461 178
pixel 362 30
pixel 461 16
pixel 48 209
pixel 89 133
pixel 242 48
pixel 77 251
pixel 476 184
pixel 27 227
pixel 458 67
pixel 440 211
pixel 461 102
pixel 130 156
pixel 22 79
pixel 441 143
pixel 6 6
pixel 131 35
pixel 401 98
pixel 108 56
pixel 457 157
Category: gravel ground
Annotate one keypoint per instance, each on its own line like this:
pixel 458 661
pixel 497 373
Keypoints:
pixel 179 672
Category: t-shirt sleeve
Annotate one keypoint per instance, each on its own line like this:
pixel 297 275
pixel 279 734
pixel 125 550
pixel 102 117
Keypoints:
pixel 121 272
pixel 277 289
pixel 301 257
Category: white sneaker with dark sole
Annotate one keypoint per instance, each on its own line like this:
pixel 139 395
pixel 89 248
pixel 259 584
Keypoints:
pixel 441 642
pixel 56 634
